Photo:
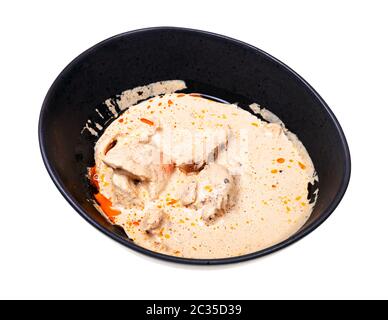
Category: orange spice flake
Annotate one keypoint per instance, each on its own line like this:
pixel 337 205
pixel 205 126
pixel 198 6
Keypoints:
pixel 301 165
pixel 180 95
pixel 280 160
pixel 172 202
pixel 208 188
pixel 136 223
pixel 170 102
pixel 159 104
pixel 121 120
pixel 106 206
pixel 168 167
pixel 274 171
pixel 146 121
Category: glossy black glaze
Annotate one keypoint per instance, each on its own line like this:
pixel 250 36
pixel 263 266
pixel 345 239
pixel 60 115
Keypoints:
pixel 211 64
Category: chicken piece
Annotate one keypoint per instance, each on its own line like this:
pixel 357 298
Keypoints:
pixel 191 152
pixel 160 176
pixel 215 189
pixel 133 152
pixel 153 218
pixel 189 193
pixel 126 193
pixel 210 212
pixel 123 183
pixel 135 156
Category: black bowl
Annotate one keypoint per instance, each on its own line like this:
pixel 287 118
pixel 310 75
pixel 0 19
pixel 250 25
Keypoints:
pixel 211 64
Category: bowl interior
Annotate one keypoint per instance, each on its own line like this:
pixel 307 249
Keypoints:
pixel 210 64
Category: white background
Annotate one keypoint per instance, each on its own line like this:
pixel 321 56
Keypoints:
pixel 48 251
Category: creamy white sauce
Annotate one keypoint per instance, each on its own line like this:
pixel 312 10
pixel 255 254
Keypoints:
pixel 99 113
pixel 131 96
pixel 87 127
pixel 251 195
pixel 111 107
pixel 266 114
pixel 98 126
